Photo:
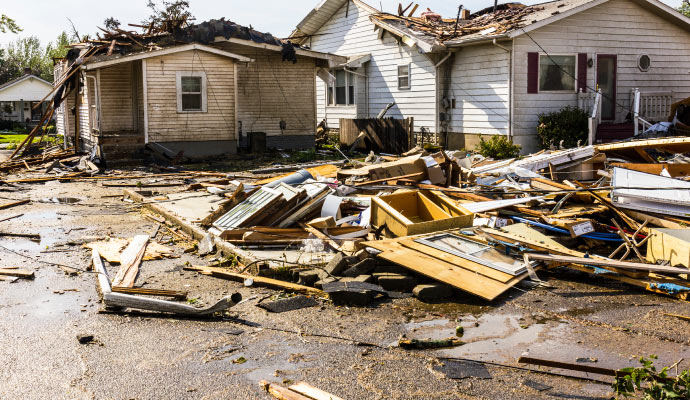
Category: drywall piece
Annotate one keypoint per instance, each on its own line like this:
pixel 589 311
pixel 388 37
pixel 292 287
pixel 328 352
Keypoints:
pixel 652 193
pixel 672 245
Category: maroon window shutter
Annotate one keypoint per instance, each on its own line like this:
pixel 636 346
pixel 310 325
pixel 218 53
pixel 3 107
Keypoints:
pixel 582 72
pixel 532 72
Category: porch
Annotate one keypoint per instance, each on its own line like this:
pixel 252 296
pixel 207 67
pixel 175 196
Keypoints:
pixel 644 110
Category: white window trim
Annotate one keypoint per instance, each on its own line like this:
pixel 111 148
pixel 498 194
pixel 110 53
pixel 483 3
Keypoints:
pixel 178 84
pixel 409 77
pixel 539 73
pixel 350 80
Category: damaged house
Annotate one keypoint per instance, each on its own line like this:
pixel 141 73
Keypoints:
pixel 203 90
pixel 494 71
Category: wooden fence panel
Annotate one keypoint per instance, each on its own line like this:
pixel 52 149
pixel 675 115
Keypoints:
pixel 396 135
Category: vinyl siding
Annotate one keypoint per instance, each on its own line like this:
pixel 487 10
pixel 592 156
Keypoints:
pixel 353 34
pixel 616 27
pixel 480 85
pixel 270 90
pixel 165 123
pixel 116 99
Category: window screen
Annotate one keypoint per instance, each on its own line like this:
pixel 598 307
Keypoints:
pixel 191 93
pixel 556 73
pixel 340 87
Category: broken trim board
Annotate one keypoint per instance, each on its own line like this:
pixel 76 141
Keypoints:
pixel 606 263
pixel 129 261
pixel 483 206
pixel 112 299
pixel 257 280
pixel 647 192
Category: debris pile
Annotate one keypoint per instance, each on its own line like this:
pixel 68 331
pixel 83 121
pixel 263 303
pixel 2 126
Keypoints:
pixel 430 225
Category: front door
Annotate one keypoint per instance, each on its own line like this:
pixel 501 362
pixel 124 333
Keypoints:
pixel 606 82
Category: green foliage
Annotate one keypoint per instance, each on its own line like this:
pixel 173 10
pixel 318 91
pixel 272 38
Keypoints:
pixel 8 24
pixel 569 125
pixel 684 8
pixel 111 24
pixel 28 52
pixel 498 147
pixel 650 383
pixel 172 16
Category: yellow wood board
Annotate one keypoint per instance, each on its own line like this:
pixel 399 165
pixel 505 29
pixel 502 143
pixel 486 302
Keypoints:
pixel 326 171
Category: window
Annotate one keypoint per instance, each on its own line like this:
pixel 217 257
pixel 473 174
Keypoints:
pixel 7 107
pixel 341 92
pixel 191 92
pixel 404 77
pixel 644 62
pixel 557 73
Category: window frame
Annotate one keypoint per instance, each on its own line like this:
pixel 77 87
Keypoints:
pixel 350 81
pixel 539 90
pixel 639 59
pixel 409 76
pixel 178 83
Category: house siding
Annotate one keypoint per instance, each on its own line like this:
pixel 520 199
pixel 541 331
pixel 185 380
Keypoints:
pixel 617 27
pixel 271 90
pixel 480 85
pixel 165 124
pixel 353 34
pixel 116 99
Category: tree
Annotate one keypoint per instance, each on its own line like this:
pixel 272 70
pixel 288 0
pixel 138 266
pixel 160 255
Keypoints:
pixel 29 53
pixel 684 8
pixel 173 15
pixel 8 24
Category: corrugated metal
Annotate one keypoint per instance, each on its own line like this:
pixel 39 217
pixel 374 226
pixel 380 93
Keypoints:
pixel 247 209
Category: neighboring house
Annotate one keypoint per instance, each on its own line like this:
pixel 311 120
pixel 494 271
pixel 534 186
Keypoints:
pixel 498 70
pixel 18 97
pixel 202 99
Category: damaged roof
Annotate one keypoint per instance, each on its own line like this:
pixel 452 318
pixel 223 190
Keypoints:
pixel 509 20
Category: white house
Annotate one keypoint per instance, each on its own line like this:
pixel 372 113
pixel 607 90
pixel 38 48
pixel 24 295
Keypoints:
pixel 494 71
pixel 18 97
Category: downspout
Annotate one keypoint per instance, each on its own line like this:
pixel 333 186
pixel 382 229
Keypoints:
pixel 437 123
pixel 510 85
pixel 366 85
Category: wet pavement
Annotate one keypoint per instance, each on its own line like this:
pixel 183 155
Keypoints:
pixel 346 351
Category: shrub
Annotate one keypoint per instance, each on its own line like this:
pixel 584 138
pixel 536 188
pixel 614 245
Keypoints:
pixel 568 125
pixel 647 383
pixel 498 147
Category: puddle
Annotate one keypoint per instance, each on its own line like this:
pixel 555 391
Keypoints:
pixel 62 200
pixel 498 337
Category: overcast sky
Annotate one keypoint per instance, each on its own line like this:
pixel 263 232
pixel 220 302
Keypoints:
pixel 47 18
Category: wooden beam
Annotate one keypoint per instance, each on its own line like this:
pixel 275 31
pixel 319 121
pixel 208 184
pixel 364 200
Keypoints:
pixel 258 280
pixel 607 263
pixel 569 366
pixel 18 273
pixel 13 204
pixel 282 393
pixel 129 261
pixel 312 392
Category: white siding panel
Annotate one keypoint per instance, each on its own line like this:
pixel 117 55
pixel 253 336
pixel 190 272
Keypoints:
pixel 353 35
pixel 481 89
pixel 617 27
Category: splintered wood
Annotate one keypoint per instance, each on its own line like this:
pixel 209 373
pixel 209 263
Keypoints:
pixel 129 261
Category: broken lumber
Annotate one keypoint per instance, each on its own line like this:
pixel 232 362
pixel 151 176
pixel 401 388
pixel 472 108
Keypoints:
pixel 129 261
pixel 282 393
pixel 13 204
pixel 151 292
pixel 312 392
pixel 258 280
pixel 112 299
pixel 569 366
pixel 17 273
pixel 606 263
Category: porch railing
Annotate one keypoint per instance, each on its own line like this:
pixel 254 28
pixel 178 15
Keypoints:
pixel 649 107
pixel 591 103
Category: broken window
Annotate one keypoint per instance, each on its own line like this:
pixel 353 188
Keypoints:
pixel 341 92
pixel 404 77
pixel 474 251
pixel 557 73
pixel 191 92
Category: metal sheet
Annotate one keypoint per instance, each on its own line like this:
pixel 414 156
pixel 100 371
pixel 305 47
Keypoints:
pixel 246 209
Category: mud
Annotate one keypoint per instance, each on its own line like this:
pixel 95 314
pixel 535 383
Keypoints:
pixel 149 356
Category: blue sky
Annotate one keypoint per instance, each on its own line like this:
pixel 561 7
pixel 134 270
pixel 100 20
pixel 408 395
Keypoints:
pixel 47 18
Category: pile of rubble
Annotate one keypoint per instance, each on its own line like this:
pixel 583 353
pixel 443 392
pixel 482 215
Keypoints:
pixel 431 225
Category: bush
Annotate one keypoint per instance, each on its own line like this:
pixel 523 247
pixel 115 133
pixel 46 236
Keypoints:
pixel 647 383
pixel 569 125
pixel 9 125
pixel 498 147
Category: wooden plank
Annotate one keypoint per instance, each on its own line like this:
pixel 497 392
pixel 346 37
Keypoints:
pixel 415 175
pixel 281 393
pixel 18 273
pixel 457 261
pixel 312 392
pixel 13 204
pixel 129 261
pixel 258 280
pixel 607 263
pixel 442 271
pixel 568 366
pixel 320 235
pixel 675 170
pixel 151 292
pixel 664 222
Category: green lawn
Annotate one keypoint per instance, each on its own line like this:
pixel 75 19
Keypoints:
pixel 12 138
